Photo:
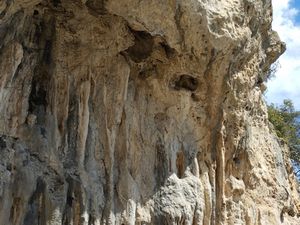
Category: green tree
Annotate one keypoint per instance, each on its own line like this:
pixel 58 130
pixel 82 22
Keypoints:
pixel 286 122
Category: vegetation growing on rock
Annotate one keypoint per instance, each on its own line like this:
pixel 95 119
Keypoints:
pixel 286 121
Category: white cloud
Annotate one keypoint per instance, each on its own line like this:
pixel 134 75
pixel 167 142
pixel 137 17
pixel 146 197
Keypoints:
pixel 286 84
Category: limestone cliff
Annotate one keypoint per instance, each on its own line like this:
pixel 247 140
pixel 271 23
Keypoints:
pixel 139 112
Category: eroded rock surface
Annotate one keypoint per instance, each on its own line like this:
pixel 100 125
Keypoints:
pixel 139 112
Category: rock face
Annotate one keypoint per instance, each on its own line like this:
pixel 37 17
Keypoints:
pixel 139 112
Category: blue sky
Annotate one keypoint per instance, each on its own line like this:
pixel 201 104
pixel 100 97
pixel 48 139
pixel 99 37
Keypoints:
pixel 296 5
pixel 286 84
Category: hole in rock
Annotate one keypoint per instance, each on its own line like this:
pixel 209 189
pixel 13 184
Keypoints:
pixel 37 96
pixel 69 200
pixel 2 143
pixel 43 132
pixel 186 82
pixel 143 46
pixel 195 97
pixel 170 52
pixel 9 167
pixel 56 2
pixel 236 160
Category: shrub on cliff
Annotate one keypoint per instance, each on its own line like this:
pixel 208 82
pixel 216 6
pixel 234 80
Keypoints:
pixel 286 121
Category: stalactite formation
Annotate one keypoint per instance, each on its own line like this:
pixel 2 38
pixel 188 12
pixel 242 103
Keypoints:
pixel 139 112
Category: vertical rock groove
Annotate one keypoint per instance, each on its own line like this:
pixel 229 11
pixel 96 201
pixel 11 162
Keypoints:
pixel 139 112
